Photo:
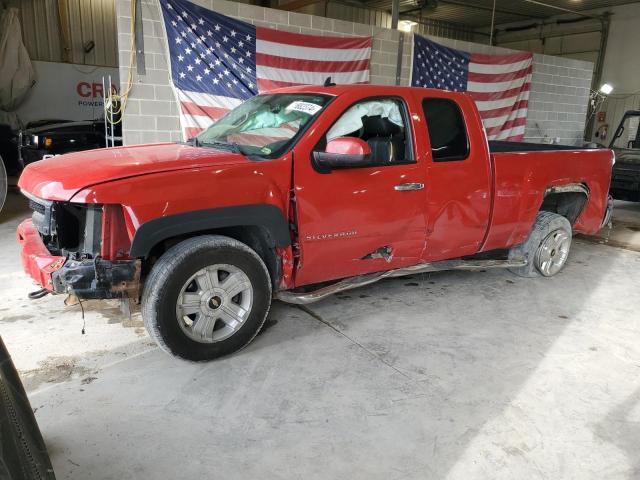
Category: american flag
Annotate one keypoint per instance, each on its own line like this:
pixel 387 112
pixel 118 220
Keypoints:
pixel 217 61
pixel 499 84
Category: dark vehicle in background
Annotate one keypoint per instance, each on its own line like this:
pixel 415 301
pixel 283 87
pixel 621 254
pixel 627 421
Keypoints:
pixel 44 141
pixel 23 454
pixel 625 181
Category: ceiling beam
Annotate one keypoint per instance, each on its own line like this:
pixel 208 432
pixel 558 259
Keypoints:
pixel 297 4
pixel 489 9
pixel 562 9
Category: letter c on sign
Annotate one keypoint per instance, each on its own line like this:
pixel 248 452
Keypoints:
pixel 83 89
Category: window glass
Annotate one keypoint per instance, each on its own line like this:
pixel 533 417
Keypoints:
pixel 447 131
pixel 382 124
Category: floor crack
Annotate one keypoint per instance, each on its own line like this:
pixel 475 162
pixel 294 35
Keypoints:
pixel 317 317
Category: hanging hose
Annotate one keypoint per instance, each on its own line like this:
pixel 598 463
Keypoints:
pixel 43 292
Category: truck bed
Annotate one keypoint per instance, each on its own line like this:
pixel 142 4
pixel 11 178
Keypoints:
pixel 499 146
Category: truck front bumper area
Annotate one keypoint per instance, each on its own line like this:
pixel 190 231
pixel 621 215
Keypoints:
pixel 86 279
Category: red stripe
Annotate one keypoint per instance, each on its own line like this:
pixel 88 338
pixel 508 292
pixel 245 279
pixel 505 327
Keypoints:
pixel 192 131
pixel 487 96
pixel 500 59
pixel 190 108
pixel 265 85
pixel 315 41
pixel 497 112
pixel 516 122
pixel 310 65
pixel 498 77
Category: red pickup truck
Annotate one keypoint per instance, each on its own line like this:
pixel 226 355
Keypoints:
pixel 297 194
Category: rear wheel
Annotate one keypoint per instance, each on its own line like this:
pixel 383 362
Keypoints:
pixel 206 297
pixel 547 247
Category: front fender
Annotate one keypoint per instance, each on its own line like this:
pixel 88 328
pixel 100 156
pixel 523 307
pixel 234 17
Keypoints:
pixel 155 231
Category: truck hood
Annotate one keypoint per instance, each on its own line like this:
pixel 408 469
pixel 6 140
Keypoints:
pixel 61 177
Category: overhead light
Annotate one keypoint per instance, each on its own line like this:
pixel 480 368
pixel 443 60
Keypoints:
pixel 606 88
pixel 406 25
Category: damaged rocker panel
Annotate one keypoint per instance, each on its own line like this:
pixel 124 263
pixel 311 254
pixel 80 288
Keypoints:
pixel 303 298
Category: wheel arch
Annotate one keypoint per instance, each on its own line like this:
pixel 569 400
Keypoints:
pixel 262 227
pixel 567 200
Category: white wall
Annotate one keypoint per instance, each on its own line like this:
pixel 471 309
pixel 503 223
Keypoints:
pixel 622 62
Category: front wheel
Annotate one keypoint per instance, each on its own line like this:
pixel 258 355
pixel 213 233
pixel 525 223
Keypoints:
pixel 546 249
pixel 206 297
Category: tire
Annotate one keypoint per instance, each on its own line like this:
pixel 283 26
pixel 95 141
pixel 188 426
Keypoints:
pixel 546 249
pixel 4 184
pixel 190 306
pixel 23 453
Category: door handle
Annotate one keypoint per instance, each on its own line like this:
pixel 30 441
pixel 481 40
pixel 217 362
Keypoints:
pixel 403 187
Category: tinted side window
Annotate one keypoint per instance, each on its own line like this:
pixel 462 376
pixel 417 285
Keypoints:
pixel 447 131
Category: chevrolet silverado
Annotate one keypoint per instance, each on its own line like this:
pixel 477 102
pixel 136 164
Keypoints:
pixel 297 194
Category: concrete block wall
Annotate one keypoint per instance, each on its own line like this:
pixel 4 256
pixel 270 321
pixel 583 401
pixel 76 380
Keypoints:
pixel 558 98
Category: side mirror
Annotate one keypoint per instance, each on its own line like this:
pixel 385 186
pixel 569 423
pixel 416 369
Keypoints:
pixel 343 152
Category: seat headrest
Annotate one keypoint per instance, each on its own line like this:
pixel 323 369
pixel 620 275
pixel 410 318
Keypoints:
pixel 379 126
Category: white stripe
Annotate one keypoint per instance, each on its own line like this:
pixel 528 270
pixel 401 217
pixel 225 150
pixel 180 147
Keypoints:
pixel 511 132
pixel 208 99
pixel 496 121
pixel 483 106
pixel 195 121
pixel 310 78
pixel 497 86
pixel 496 68
pixel 312 53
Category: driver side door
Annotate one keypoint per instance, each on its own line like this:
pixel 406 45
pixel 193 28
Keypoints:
pixel 363 219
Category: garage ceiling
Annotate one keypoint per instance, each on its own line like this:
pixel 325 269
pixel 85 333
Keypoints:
pixel 477 13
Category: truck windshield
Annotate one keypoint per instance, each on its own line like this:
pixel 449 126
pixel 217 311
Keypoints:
pixel 265 125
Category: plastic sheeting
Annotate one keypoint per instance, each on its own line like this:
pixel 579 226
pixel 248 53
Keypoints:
pixel 351 120
pixel 18 75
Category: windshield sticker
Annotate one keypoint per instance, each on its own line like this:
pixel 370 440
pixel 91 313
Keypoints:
pixel 304 107
pixel 265 150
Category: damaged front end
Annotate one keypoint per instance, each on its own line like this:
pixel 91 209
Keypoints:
pixel 79 249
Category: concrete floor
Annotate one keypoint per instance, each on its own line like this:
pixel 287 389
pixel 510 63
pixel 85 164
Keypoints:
pixel 451 375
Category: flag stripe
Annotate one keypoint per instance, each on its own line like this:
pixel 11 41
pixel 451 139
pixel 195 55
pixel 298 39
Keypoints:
pixel 317 41
pixel 304 52
pixel 311 65
pixel 193 109
pixel 498 112
pixel 490 122
pixel 498 68
pixel 502 103
pixel 488 96
pixel 492 59
pixel 310 78
pixel 498 77
pixel 509 124
pixel 496 86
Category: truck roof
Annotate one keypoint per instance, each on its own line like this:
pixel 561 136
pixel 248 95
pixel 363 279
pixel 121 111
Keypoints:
pixel 375 90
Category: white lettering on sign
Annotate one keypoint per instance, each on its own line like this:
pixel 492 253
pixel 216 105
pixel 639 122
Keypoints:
pixel 304 107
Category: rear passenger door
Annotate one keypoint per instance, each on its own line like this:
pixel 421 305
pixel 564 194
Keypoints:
pixel 458 179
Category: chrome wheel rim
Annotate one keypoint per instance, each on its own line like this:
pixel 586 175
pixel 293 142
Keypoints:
pixel 553 252
pixel 214 303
